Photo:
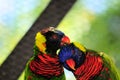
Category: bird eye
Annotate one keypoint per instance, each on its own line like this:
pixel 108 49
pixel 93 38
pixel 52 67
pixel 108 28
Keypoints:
pixel 55 36
pixel 73 51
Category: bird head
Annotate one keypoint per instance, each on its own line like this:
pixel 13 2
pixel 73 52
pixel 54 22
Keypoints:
pixel 71 56
pixel 50 40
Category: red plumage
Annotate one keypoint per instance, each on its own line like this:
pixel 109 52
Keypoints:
pixel 46 65
pixel 91 67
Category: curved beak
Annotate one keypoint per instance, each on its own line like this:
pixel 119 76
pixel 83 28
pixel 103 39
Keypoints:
pixel 65 40
pixel 71 63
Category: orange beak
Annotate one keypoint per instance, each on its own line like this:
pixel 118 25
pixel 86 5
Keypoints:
pixel 65 40
pixel 71 63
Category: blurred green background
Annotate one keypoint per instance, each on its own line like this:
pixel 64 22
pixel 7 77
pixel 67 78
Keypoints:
pixel 93 23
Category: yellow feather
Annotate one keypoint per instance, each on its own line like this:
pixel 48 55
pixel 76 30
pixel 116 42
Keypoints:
pixel 80 46
pixel 40 41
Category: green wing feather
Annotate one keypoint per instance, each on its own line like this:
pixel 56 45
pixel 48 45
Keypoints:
pixel 109 71
pixel 108 63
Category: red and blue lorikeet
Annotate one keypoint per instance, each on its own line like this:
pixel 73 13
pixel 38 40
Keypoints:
pixel 87 64
pixel 44 64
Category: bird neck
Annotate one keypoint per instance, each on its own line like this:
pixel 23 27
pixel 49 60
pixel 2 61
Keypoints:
pixel 51 52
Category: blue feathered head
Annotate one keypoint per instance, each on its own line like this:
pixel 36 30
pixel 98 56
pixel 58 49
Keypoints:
pixel 71 57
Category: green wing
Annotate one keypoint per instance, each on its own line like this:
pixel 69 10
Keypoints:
pixel 109 71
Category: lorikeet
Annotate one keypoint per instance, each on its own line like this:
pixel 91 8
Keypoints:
pixel 87 64
pixel 44 64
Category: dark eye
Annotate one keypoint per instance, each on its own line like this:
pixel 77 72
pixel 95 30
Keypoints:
pixel 54 36
pixel 73 51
